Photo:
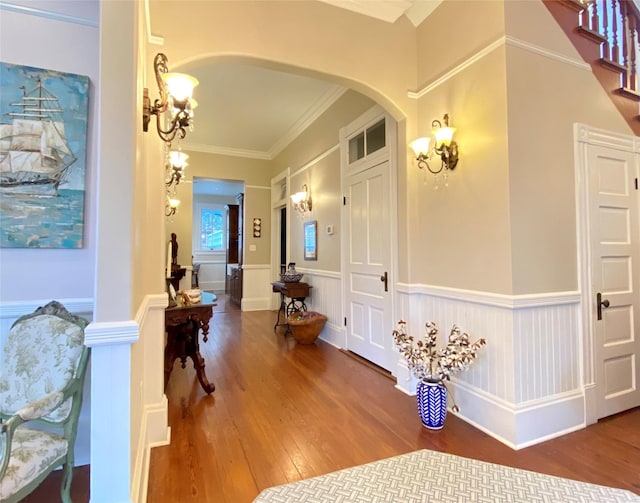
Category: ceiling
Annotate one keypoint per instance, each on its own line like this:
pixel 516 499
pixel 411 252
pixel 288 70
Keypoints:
pixel 252 111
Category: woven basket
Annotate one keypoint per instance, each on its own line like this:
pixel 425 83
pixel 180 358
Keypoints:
pixel 307 329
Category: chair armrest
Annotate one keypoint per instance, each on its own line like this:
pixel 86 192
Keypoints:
pixel 41 407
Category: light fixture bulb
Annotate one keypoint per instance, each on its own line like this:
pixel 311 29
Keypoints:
pixel 444 135
pixel 180 86
pixel 420 146
pixel 178 159
pixel 298 197
pixel 174 203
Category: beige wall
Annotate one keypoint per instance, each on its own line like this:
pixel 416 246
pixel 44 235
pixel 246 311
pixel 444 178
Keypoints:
pixel 257 205
pixel 459 234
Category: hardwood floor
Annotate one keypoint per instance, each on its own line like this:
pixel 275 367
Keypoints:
pixel 283 412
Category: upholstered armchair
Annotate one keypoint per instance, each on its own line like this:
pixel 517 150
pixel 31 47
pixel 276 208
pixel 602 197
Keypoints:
pixel 44 362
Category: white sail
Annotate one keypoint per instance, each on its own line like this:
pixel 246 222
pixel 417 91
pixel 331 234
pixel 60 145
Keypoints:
pixel 5 145
pixel 27 135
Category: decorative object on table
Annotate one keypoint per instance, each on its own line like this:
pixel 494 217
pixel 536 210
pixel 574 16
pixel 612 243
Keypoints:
pixel 43 132
pixel 190 297
pixel 311 240
pixel 433 366
pixel 291 275
pixel 306 326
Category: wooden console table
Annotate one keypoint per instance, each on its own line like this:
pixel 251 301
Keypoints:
pixel 297 292
pixel 183 324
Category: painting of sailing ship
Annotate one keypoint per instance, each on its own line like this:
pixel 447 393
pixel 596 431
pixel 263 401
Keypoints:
pixel 43 138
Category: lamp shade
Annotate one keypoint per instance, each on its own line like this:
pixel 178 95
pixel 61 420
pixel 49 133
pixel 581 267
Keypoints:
pixel 174 203
pixel 178 159
pixel 298 197
pixel 420 146
pixel 180 85
pixel 444 135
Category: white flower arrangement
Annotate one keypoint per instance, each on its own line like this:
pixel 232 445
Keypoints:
pixel 426 361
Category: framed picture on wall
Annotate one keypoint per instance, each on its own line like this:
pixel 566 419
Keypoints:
pixel 43 144
pixel 311 240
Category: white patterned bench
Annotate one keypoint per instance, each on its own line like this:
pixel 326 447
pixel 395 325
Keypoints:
pixel 431 476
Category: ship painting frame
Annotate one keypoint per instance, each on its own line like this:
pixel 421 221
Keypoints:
pixel 43 152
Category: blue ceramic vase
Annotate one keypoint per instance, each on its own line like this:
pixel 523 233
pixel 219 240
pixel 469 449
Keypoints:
pixel 432 404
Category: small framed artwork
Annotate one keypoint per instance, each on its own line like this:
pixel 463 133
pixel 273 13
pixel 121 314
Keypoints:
pixel 311 240
pixel 257 227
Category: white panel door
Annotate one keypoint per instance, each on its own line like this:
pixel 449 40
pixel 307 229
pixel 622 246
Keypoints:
pixel 614 221
pixel 368 265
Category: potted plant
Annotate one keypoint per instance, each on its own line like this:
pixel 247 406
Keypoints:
pixel 306 325
pixel 433 366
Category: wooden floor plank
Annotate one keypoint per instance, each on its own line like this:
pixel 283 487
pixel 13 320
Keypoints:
pixel 283 412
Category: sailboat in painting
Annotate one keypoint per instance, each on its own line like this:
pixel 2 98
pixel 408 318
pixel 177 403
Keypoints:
pixel 34 154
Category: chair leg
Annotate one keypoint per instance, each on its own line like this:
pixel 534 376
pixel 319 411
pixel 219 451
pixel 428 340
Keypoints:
pixel 65 490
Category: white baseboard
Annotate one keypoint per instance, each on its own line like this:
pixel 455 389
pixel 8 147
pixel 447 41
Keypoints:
pixel 334 335
pixel 522 425
pixel 154 432
pixel 256 304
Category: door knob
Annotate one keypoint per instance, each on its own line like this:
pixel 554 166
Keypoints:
pixel 385 279
pixel 600 304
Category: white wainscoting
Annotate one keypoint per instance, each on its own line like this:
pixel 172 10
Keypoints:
pixel 256 287
pixel 526 386
pixel 212 275
pixel 10 312
pixel 326 298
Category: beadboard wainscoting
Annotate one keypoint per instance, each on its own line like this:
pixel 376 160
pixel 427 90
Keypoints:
pixel 256 287
pixel 326 298
pixel 526 386
pixel 10 312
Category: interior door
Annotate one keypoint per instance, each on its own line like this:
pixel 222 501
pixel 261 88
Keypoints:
pixel 614 222
pixel 368 265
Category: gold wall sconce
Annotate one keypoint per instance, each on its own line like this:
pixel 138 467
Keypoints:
pixel 172 206
pixel 444 147
pixel 301 201
pixel 175 167
pixel 175 94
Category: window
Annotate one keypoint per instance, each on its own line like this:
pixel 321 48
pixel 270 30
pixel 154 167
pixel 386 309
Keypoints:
pixel 209 228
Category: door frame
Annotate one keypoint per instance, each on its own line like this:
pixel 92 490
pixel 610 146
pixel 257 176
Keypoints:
pixel 583 137
pixel 279 200
pixel 389 153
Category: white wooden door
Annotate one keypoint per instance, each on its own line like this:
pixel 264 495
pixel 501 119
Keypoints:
pixel 614 222
pixel 368 265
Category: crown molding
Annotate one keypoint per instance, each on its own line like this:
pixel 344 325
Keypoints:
pixel 502 41
pixel 31 11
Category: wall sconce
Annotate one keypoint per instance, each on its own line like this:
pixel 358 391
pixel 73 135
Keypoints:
pixel 177 163
pixel 172 206
pixel 445 147
pixel 175 92
pixel 301 201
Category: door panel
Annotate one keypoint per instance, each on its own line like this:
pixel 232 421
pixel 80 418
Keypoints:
pixel 368 304
pixel 615 251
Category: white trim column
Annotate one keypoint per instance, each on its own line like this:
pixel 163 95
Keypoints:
pixel 110 345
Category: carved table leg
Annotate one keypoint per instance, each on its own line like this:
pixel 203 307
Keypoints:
pixel 192 350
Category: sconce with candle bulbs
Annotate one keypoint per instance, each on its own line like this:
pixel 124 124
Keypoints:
pixel 175 94
pixel 301 201
pixel 176 164
pixel 171 206
pixel 445 148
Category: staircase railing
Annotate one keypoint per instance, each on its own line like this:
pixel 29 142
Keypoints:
pixel 616 24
